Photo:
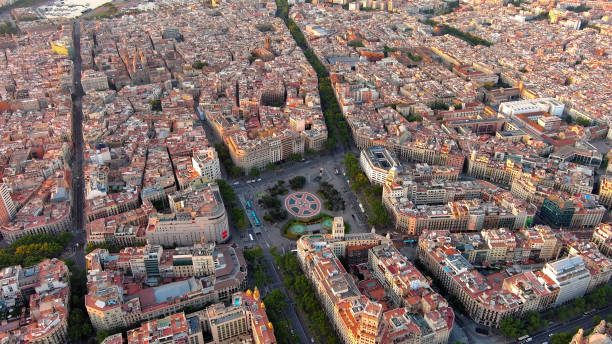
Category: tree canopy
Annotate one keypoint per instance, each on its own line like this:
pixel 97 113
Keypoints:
pixel 297 182
pixel 32 249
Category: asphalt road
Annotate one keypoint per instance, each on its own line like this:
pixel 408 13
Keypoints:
pixel 583 321
pixel 78 182
pixel 291 308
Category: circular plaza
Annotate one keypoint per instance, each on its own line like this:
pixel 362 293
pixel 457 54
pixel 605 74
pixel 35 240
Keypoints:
pixel 303 204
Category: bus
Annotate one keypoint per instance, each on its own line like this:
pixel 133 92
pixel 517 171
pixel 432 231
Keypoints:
pixel 251 236
pixel 248 204
pixel 520 339
pixel 257 223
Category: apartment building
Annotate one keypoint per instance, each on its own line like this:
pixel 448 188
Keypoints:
pixel 457 216
pixel 569 275
pixel 483 303
pixel 244 319
pixel 114 339
pixel 160 283
pixel 602 237
pixel 579 214
pixel 599 266
pixel 605 190
pixel 206 163
pixel 46 290
pixel 376 162
pixel 403 282
pixel 458 206
pixel 94 81
pixel 542 242
pixel 7 207
pixel 198 215
pixel 423 317
pixel 36 218
pixel 173 329
pixel 489 299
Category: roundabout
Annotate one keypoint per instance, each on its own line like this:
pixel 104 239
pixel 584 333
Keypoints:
pixel 303 204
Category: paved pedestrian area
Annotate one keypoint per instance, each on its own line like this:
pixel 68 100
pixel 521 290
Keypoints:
pixel 303 204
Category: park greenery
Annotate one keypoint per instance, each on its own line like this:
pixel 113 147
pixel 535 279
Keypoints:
pixel 310 152
pixel 272 204
pixel 598 298
pixel 278 189
pixel 371 195
pixel 297 182
pixel 578 9
pixel 111 248
pixel 295 157
pixel 414 118
pixel 337 128
pixel 387 50
pixel 515 328
pixel 471 39
pixel 413 57
pixel 304 295
pixel 581 121
pixel 155 104
pixel 254 172
pixel 356 44
pixel 226 160
pixel 333 199
pixel 199 64
pixel 237 215
pixel 270 166
pixel 32 249
pixel 264 27
pixel 275 306
pixel 437 105
pixel 79 326
pixel 450 6
pixel 256 264
pixel 276 215
pixel 533 321
pixel 8 28
pixel 306 222
pixel 541 16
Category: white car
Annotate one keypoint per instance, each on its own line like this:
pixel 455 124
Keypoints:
pixel 258 179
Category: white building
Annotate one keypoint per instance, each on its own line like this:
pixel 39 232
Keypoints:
pixel 571 276
pixel 206 163
pixel 376 162
pixel 101 156
pixel 7 207
pixel 550 105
